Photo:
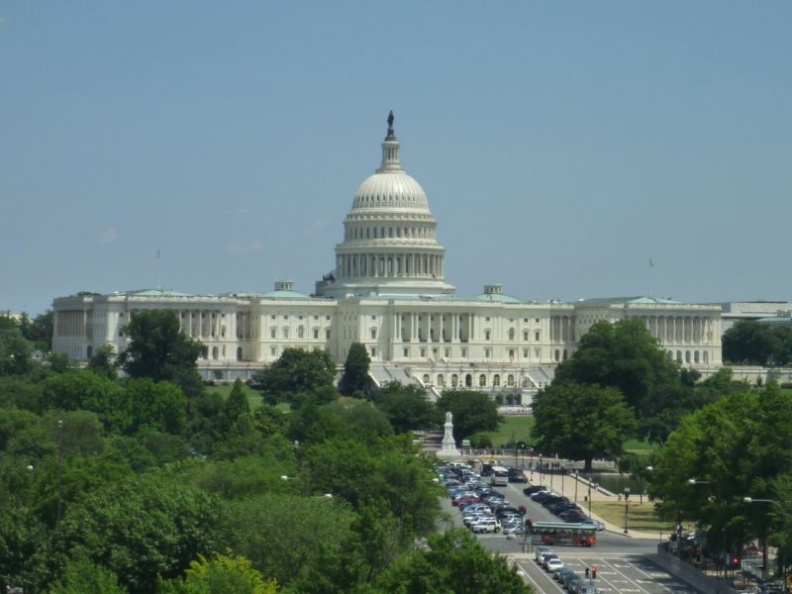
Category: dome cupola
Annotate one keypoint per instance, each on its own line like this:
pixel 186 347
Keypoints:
pixel 390 244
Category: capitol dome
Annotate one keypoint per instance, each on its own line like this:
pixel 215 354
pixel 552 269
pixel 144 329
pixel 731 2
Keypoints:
pixel 390 244
pixel 390 190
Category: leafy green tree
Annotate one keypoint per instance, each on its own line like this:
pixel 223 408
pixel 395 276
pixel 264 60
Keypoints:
pixel 159 351
pixel 473 412
pixel 300 541
pixel 14 350
pixel 103 362
pixel 221 575
pixel 297 371
pixel 359 419
pixel 355 379
pixel 754 343
pixel 452 562
pixel 38 331
pixel 141 528
pixel 82 575
pixel 582 422
pixel 627 357
pixel 407 407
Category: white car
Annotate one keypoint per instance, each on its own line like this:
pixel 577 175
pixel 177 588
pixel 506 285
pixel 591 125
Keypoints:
pixel 553 564
pixel 538 551
pixel 485 525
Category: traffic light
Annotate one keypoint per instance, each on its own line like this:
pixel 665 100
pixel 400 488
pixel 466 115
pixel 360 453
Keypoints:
pixel 588 572
pixel 528 523
pixel 594 572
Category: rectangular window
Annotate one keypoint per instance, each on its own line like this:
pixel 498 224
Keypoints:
pixel 536 335
pixel 316 333
pixel 525 353
pixel 511 353
pixel 446 353
pixel 327 334
pixel 406 352
pixel 274 351
pixel 273 332
pixel 423 352
pixel 487 353
pixel 464 353
pixel 373 352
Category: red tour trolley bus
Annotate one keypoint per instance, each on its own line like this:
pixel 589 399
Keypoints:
pixel 563 534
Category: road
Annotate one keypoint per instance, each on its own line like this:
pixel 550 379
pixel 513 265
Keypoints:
pixel 621 560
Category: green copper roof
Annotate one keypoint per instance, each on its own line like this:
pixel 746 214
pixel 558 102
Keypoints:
pixel 156 293
pixel 497 298
pixel 630 301
pixel 285 295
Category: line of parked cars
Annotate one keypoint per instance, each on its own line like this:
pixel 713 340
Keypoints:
pixel 561 506
pixel 569 580
pixel 484 509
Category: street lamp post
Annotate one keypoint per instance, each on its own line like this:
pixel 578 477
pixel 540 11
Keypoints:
pixel 576 483
pixel 626 509
pixel 540 468
pixel 782 550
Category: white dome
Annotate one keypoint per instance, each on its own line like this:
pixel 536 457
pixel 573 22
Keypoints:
pixel 390 190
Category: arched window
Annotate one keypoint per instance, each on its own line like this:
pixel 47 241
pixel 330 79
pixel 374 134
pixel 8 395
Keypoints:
pixel 454 380
pixel 440 380
pixel 285 332
pixel 496 380
pixel 468 381
pixel 300 332
pixel 425 378
pixel 696 356
pixel 482 380
pixel 239 353
pixel 510 380
pixel 215 353
pixel 511 333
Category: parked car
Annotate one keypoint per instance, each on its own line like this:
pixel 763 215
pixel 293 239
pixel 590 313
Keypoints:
pixel 538 551
pixel 554 564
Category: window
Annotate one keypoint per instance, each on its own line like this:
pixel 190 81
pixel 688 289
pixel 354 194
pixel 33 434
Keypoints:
pixel 273 332
pixel 373 352
pixel 406 352
pixel 327 334
pixel 423 352
pixel 425 378
pixel 440 380
pixel 525 335
pixel 464 352
pixel 373 334
pixel 536 336
pixel 285 332
pixel 454 380
pixel 525 353
pixel 511 333
pixel 300 332
pixel 316 333
pixel 487 334
pixel 274 351
pixel 496 380
pixel 487 353
pixel 510 380
pixel 482 381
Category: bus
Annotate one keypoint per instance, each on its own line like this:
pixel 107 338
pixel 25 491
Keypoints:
pixel 499 476
pixel 563 534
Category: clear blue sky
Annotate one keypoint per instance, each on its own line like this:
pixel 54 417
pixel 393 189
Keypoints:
pixel 562 145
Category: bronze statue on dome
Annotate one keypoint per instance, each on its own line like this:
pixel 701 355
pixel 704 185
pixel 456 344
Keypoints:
pixel 390 119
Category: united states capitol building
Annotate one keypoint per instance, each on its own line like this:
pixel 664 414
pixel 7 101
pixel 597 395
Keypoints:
pixel 388 291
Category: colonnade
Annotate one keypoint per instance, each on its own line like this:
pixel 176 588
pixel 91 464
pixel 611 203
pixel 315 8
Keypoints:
pixel 683 329
pixel 390 265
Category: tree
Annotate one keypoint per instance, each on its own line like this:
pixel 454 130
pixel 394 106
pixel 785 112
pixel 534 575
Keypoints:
pixel 407 407
pixel 452 562
pixel 582 422
pixel 627 357
pixel 158 350
pixel 38 331
pixel 103 362
pixel 221 575
pixel 473 412
pixel 83 576
pixel 141 528
pixel 313 533
pixel 356 371
pixel 750 342
pixel 298 371
pixel 14 351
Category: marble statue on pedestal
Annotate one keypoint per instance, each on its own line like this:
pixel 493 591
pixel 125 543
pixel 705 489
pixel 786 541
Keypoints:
pixel 448 448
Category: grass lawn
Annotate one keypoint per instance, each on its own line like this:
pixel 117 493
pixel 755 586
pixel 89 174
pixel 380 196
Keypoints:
pixel 641 517
pixel 512 428
pixel 254 398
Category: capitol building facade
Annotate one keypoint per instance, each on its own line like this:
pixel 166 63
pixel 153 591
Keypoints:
pixel 388 292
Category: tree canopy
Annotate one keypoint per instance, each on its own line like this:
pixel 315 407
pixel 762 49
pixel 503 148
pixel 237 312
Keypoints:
pixel 755 343
pixel 355 379
pixel 158 350
pixel 473 412
pixel 299 372
pixel 407 407
pixel 582 422
pixel 627 357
